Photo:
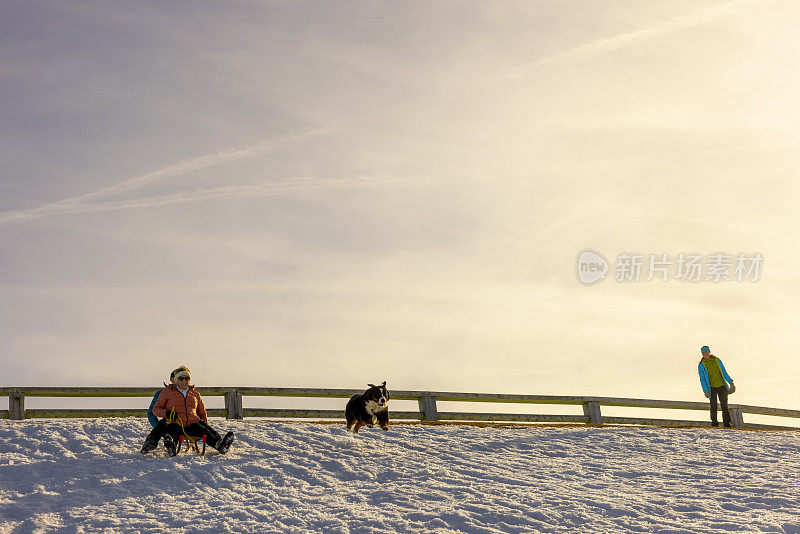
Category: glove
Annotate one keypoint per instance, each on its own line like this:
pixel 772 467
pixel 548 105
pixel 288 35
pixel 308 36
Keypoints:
pixel 731 389
pixel 706 394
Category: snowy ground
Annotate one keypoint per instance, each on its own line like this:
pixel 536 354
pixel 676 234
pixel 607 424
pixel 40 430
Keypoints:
pixel 87 476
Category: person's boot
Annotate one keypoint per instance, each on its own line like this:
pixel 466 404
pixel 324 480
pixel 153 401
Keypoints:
pixel 169 443
pixel 225 443
pixel 714 423
pixel 149 445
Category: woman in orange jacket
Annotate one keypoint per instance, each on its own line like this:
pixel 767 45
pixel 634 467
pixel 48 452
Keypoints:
pixel 180 410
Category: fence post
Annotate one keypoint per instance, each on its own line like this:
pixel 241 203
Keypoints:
pixel 16 405
pixel 737 419
pixel 233 405
pixel 591 409
pixel 427 405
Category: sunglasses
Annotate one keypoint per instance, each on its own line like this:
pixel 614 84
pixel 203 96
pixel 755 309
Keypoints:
pixel 183 378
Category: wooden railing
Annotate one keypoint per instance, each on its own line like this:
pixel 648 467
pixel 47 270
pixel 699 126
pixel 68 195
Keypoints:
pixel 427 402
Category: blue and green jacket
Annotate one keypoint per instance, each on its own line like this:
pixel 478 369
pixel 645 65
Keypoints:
pixel 701 369
pixel 150 415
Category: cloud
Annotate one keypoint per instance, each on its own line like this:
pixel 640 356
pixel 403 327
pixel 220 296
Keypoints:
pixel 252 190
pixel 610 44
pixel 88 202
pixel 770 380
pixel 78 204
pixel 269 188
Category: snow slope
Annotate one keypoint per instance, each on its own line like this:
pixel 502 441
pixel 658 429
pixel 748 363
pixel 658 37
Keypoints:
pixel 87 476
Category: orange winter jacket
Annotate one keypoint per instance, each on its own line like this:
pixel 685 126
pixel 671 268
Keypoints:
pixel 190 409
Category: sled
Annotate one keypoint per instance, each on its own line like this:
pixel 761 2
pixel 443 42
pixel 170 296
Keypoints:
pixel 191 442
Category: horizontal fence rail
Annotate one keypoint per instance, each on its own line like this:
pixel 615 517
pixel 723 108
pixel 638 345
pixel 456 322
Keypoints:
pixel 427 401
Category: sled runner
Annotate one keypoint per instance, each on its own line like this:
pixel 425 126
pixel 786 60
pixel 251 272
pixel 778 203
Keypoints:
pixel 192 442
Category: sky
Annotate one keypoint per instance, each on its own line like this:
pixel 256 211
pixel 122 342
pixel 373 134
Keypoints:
pixel 325 194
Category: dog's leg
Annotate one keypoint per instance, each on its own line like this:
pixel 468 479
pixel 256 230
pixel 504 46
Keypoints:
pixel 383 420
pixel 359 424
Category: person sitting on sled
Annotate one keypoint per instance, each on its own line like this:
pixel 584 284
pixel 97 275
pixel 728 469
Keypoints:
pixel 159 426
pixel 181 410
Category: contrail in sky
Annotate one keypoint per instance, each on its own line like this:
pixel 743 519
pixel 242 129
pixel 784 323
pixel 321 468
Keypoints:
pixel 617 42
pixel 252 190
pixel 780 379
pixel 269 188
pixel 73 204
pixel 258 190
pixel 85 203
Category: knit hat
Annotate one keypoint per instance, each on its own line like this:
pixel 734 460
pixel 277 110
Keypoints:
pixel 705 347
pixel 180 371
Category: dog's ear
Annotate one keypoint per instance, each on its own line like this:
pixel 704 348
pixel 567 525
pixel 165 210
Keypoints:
pixel 372 385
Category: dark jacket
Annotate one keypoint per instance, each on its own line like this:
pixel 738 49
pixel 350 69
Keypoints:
pixel 150 415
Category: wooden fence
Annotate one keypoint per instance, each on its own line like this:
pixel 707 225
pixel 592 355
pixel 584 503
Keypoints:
pixel 427 402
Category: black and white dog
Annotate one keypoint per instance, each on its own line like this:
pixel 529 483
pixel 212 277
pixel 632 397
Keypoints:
pixel 369 408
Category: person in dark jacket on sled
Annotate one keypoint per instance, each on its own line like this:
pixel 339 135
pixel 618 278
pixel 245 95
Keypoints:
pixel 180 410
pixel 159 431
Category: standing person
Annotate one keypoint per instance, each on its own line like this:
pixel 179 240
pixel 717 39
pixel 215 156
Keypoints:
pixel 713 378
pixel 187 412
